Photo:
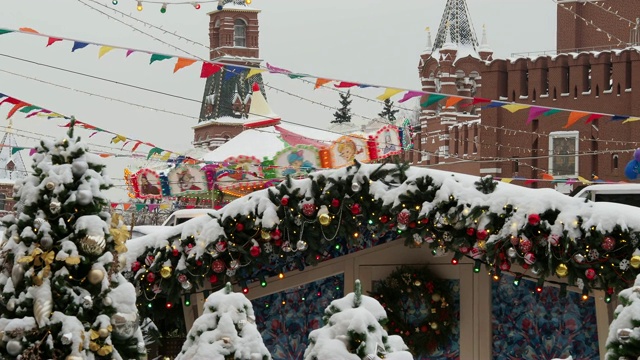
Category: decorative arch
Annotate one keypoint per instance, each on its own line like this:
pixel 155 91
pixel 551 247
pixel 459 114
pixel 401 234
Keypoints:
pixel 303 222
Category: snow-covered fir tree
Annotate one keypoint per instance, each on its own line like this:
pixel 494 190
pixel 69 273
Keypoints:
pixel 388 112
pixel 623 342
pixel 353 330
pixel 62 296
pixel 226 330
pixel 343 114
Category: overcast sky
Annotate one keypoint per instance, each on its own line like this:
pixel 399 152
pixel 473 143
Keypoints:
pixel 367 41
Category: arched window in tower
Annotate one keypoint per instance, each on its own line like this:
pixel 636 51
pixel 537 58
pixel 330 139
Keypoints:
pixel 614 162
pixel 239 33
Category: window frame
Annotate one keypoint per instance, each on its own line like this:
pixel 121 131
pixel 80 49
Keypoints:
pixel 239 37
pixel 570 139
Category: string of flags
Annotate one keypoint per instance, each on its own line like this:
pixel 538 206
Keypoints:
pixel 209 68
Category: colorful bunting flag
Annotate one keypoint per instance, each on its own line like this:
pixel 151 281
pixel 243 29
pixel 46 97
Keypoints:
pixel 277 70
pixel 593 117
pixel 253 72
pixel 232 70
pixel 154 151
pixel 619 118
pixel 452 100
pixel 78 45
pixel 321 81
pixel 158 57
pixel 515 107
pixel 5 31
pixel 410 95
pixel 118 138
pixel 344 84
pixel 103 50
pixel 52 40
pixel 209 69
pixel 433 98
pixel 574 116
pixel 388 93
pixel 17 107
pixel 28 30
pixel 631 119
pixel 129 52
pixel 551 112
pixel 183 63
pixel 534 112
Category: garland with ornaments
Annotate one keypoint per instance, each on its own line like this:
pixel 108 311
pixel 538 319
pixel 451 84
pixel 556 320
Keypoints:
pixel 299 222
pixel 408 288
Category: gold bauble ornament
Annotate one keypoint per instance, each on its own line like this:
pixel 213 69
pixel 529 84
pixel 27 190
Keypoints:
pixel 324 219
pixel 50 185
pixel 103 333
pixel 417 283
pixel 165 272
pixel 635 261
pixel 265 235
pixel 434 325
pixel 436 297
pixel 95 276
pixel 562 270
pixel 93 245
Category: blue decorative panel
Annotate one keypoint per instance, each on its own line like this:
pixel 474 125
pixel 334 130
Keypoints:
pixel 285 319
pixel 532 326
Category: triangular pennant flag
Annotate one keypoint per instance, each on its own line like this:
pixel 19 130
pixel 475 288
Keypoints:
pixel 388 93
pixel 530 181
pixel 5 31
pixel 105 155
pixel 631 119
pixel 103 50
pixel 114 205
pixel 15 149
pixel 140 207
pixel 182 63
pixel 166 156
pixel 136 146
pixel 52 40
pixel 477 100
pixel 16 107
pixel 433 98
pixel 158 57
pixel 320 82
pixel 551 112
pixel 28 109
pixel 452 100
pixel 28 30
pixel 129 52
pixel 78 45
pixel 154 151
pixel 152 207
pixel 231 71
pixel 618 118
pixel 534 112
pixel 164 206
pixel 515 107
pixel 297 76
pixel 593 117
pixel 546 176
pixel 583 180
pixel 344 84
pixel 574 116
pixel 507 180
pixel 209 69
pixel 253 72
pixel 410 95
pixel 10 100
pixel 126 206
pixel 32 151
pixel 118 138
pixel 277 70
pixel 493 104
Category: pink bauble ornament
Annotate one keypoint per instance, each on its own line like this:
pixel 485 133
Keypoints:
pixel 525 245
pixel 482 234
pixel 284 201
pixel 534 219
pixel 218 266
pixel 308 209
pixel 608 243
pixel 464 249
pixel 505 266
pixel 182 278
pixel 529 258
pixel 175 252
pixel 255 251
pixel 403 217
pixel 590 274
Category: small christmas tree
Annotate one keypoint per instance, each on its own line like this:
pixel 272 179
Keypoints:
pixel 343 115
pixel 225 330
pixel 62 294
pixel 624 332
pixel 388 112
pixel 354 330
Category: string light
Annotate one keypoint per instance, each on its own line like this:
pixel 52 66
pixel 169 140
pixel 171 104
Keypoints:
pixel 139 7
pixel 114 2
pixel 196 5
pixel 163 9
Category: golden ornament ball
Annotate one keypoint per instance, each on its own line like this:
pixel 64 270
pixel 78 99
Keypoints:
pixel 417 283
pixel 103 333
pixel 165 272
pixel 265 235
pixel 562 270
pixel 635 261
pixel 436 297
pixel 324 219
pixel 95 276
pixel 434 325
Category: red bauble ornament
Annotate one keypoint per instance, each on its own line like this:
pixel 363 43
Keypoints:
pixel 464 249
pixel 514 240
pixel 590 274
pixel 424 328
pixel 525 245
pixel 255 251
pixel 277 242
pixel 384 219
pixel 476 253
pixel 239 227
pixel 284 201
pixel 534 219
pixel 335 203
pixel 221 246
pixel 175 252
pixel 135 266
pixel 412 224
pixel 308 209
pixel 355 209
pixel 218 266
pixel 149 260
pixel 530 258
pixel 151 277
pixel 505 266
pixel 608 243
pixel 471 231
pixel 403 217
pixel 482 234
pixel 276 234
pixel 198 262
pixel 190 246
pixel 213 278
pixel 554 239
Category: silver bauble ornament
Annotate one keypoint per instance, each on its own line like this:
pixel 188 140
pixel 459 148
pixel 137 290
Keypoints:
pixel 14 347
pixel 93 244
pixel 579 258
pixel 50 185
pixel 355 186
pixel 107 301
pixel 124 325
pixel 624 335
pixel 65 339
pixel 512 252
pixel 286 246
pixel 55 206
pixel 187 285
pixel 17 274
pixel 535 270
pixel 95 276
pixel 11 304
pixel 302 245
pixel 42 308
pixel 46 243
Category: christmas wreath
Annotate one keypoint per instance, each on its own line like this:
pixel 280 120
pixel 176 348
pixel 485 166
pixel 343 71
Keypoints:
pixel 419 308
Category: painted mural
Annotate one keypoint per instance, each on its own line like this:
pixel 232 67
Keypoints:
pixel 239 168
pixel 146 184
pixel 388 141
pixel 187 179
pixel 347 149
pixel 296 161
